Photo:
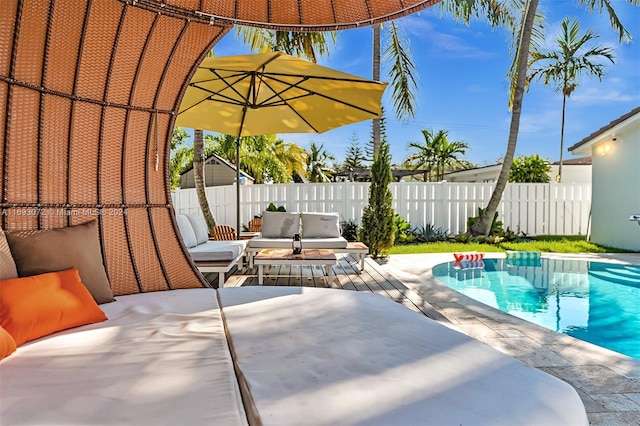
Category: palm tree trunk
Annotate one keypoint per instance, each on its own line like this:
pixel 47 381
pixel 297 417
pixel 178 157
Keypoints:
pixel 483 225
pixel 376 76
pixel 564 102
pixel 198 177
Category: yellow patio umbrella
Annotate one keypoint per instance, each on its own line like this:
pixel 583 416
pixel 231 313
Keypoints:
pixel 269 93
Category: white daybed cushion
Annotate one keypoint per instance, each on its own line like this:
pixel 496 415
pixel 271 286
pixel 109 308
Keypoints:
pixel 160 359
pixel 186 231
pixel 217 251
pixel 200 228
pixel 333 357
pixel 280 224
pixel 320 225
pixel 307 243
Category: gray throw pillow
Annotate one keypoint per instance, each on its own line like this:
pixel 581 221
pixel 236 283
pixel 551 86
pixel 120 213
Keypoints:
pixel 52 250
pixel 320 225
pixel 186 231
pixel 199 228
pixel 280 224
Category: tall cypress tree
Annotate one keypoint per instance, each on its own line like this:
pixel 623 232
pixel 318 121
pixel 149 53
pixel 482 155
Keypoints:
pixel 377 230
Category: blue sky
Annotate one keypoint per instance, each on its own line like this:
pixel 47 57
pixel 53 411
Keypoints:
pixel 462 86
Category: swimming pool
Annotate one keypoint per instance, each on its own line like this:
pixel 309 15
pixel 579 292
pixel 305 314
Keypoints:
pixel 593 301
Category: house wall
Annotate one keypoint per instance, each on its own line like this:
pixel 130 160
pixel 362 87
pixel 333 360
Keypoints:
pixel 572 173
pixel 616 189
pixel 214 175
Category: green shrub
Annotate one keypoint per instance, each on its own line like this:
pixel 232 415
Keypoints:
pixel 403 233
pixel 349 229
pixel 272 208
pixel 430 234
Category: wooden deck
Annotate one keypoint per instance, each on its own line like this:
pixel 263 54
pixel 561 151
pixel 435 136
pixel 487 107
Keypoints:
pixel 346 277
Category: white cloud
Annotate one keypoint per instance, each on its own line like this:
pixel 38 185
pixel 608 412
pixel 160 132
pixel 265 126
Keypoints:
pixel 539 121
pixel 454 44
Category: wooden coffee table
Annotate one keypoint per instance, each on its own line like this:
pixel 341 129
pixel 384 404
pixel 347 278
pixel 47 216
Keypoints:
pixel 308 257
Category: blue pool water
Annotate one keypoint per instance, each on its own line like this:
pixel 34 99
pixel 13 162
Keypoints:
pixel 592 301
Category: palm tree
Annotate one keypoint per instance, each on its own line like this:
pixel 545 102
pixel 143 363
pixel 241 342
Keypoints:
pixel 564 66
pixel 293 157
pixel 318 169
pixel 303 45
pixel 198 177
pixel 447 155
pixel 264 157
pixel 402 74
pixel 436 154
pixel 425 157
pixel 522 31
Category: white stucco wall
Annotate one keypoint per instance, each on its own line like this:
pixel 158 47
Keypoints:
pixel 616 188
pixel 571 173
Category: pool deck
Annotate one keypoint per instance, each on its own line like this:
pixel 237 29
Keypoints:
pixel 607 382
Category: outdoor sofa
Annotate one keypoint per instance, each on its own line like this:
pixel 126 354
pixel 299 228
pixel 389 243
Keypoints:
pixel 234 356
pixel 209 255
pixel 317 231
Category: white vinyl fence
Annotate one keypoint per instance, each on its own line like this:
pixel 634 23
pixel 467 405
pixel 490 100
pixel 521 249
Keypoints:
pixel 532 208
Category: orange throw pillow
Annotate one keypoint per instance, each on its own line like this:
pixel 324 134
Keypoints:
pixel 7 344
pixel 32 307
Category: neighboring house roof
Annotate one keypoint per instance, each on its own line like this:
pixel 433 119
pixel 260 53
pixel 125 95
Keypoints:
pixel 582 161
pixel 585 143
pixel 475 170
pixel 218 159
pixel 366 173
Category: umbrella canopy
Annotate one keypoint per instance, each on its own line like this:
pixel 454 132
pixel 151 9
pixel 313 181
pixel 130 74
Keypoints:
pixel 269 93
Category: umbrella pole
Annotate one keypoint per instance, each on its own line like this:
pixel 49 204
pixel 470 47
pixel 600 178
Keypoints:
pixel 238 187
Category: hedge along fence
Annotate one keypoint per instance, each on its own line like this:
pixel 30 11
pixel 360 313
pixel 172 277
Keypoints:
pixel 533 208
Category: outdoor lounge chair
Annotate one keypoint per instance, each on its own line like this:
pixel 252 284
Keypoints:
pixel 219 255
pixel 255 225
pixel 223 233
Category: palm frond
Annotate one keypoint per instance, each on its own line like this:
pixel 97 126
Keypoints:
pixel 402 73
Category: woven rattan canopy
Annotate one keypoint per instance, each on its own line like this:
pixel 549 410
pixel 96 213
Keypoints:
pixel 89 91
pixel 296 15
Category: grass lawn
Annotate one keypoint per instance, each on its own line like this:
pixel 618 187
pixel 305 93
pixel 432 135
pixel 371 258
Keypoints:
pixel 543 243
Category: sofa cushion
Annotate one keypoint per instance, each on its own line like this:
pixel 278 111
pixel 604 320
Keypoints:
pixel 32 307
pixel 214 251
pixel 7 265
pixel 38 252
pixel 186 231
pixel 199 228
pixel 320 225
pixel 280 224
pixel 307 243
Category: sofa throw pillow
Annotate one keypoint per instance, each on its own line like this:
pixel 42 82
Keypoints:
pixel 38 252
pixel 33 307
pixel 200 228
pixel 186 231
pixel 320 225
pixel 280 224
pixel 7 344
pixel 7 265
